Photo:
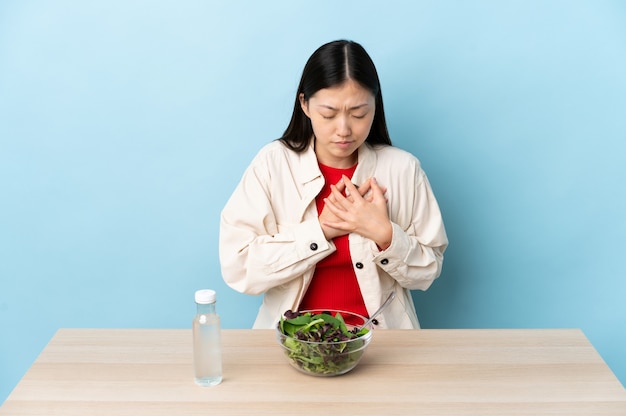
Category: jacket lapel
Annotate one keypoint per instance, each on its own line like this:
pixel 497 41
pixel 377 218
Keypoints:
pixel 311 179
pixel 366 164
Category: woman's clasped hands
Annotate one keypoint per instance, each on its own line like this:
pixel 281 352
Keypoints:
pixel 357 209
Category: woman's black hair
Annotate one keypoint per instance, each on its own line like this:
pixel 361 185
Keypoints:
pixel 331 65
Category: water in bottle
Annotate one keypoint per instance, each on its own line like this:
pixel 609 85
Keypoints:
pixel 207 353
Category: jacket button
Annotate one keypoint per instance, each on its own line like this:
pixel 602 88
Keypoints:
pixel 313 246
pixel 359 265
pixel 384 261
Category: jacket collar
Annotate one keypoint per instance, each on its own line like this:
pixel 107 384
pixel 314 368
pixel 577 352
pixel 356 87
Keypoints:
pixel 310 169
pixel 311 178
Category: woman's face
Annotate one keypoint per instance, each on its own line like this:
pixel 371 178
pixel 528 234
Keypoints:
pixel 341 117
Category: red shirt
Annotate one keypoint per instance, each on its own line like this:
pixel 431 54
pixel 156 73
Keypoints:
pixel 334 284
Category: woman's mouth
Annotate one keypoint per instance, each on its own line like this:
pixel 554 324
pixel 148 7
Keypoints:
pixel 343 145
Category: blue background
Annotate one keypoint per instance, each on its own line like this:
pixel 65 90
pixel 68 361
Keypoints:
pixel 125 126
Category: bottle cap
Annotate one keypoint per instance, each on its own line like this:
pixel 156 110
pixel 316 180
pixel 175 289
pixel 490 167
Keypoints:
pixel 205 296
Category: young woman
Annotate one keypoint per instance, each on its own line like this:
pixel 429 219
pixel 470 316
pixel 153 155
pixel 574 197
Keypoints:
pixel 331 215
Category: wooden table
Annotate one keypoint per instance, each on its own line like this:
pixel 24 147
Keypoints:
pixel 404 372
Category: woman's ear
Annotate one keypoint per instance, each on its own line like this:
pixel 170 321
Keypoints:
pixel 304 104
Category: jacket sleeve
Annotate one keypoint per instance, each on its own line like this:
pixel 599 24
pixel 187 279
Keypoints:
pixel 257 250
pixel 415 257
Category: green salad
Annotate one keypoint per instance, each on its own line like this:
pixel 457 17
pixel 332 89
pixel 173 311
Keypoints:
pixel 320 343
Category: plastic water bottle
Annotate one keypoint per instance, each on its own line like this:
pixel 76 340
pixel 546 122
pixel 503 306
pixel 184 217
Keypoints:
pixel 207 352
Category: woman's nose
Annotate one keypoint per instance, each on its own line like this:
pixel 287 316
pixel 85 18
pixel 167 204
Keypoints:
pixel 343 127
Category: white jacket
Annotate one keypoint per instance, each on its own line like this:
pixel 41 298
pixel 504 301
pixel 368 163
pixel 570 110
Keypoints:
pixel 271 239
